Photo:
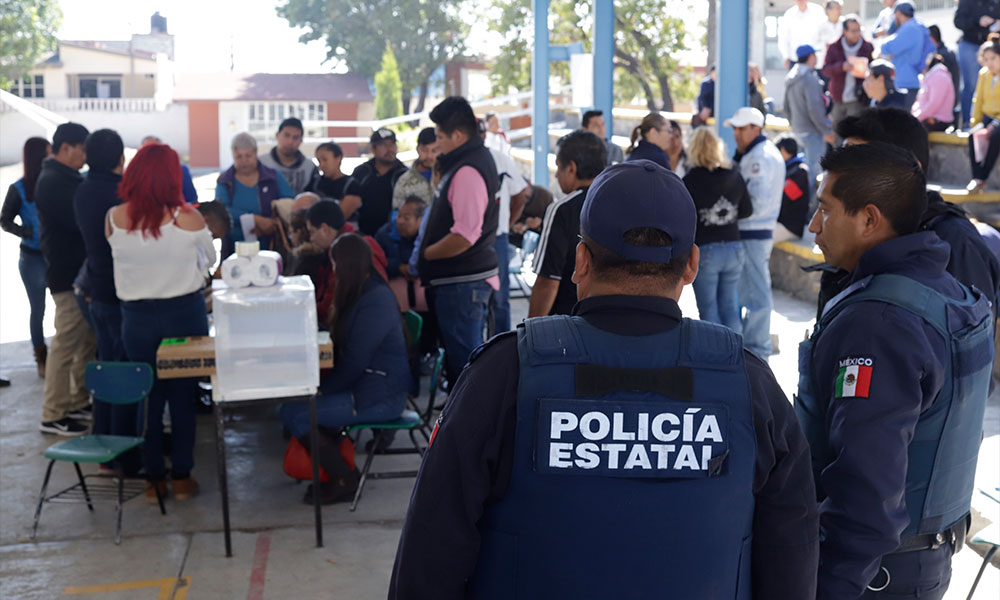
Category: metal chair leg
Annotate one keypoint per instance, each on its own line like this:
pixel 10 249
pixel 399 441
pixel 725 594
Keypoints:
pixel 41 498
pixel 982 568
pixel 159 499
pixel 83 486
pixel 364 471
pixel 119 510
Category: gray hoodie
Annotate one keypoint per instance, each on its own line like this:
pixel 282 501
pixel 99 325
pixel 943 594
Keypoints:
pixel 804 104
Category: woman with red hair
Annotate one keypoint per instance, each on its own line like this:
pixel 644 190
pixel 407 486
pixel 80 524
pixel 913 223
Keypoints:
pixel 162 250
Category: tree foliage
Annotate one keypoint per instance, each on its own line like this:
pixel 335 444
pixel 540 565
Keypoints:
pixel 648 36
pixel 27 31
pixel 423 35
pixel 388 103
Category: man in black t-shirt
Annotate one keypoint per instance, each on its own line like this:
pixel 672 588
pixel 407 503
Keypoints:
pixel 376 180
pixel 581 157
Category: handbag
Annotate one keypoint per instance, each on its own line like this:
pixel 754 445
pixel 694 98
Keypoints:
pixel 298 463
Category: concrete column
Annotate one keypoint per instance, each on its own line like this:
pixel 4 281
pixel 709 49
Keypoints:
pixel 604 52
pixel 731 77
pixel 540 96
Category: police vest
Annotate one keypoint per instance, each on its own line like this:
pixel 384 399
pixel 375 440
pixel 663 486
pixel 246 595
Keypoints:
pixel 633 468
pixel 941 458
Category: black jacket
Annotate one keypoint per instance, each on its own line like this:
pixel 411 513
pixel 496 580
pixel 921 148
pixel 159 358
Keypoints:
pixel 721 199
pixel 794 213
pixel 93 199
pixel 967 17
pixel 61 242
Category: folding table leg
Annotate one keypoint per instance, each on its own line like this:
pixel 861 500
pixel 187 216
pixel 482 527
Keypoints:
pixel 41 498
pixel 220 456
pixel 982 568
pixel 83 486
pixel 314 453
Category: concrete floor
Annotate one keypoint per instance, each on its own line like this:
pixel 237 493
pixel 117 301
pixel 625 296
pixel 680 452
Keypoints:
pixel 181 555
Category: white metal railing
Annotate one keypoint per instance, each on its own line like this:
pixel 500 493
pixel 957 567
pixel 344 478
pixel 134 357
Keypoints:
pixel 377 123
pixel 116 105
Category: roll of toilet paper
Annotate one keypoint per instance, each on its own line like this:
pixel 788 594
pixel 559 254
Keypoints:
pixel 247 249
pixel 265 268
pixel 237 271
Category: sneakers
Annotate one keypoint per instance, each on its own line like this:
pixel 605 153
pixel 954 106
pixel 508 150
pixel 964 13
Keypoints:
pixel 185 488
pixel 64 426
pixel 82 414
pixel 151 491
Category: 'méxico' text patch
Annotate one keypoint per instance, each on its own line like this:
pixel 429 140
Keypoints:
pixel 631 439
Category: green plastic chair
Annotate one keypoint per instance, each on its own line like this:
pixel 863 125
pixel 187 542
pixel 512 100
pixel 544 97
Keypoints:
pixel 411 421
pixel 414 326
pixel 113 383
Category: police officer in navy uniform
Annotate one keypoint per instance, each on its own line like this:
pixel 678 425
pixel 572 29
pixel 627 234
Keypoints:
pixel 622 451
pixel 893 384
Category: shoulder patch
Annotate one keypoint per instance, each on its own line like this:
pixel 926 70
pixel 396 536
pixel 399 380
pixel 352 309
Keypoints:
pixel 854 377
pixel 755 168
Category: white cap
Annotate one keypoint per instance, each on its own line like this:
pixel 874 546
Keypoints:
pixel 746 116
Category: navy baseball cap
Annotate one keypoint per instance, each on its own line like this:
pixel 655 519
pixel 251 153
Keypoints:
pixel 906 7
pixel 804 50
pixel 637 194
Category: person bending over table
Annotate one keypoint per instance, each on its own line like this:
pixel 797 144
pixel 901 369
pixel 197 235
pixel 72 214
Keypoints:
pixel 371 373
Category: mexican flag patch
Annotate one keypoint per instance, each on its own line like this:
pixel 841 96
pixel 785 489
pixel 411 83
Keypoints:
pixel 854 378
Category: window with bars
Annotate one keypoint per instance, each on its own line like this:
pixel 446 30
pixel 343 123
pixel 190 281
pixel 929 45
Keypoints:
pixel 873 7
pixel 30 86
pixel 267 116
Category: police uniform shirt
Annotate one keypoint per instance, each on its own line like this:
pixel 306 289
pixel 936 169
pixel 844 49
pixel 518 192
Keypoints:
pixel 880 367
pixel 470 463
pixel 555 257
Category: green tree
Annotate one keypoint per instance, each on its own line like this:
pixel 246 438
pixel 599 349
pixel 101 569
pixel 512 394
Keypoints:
pixel 387 87
pixel 647 40
pixel 423 34
pixel 27 30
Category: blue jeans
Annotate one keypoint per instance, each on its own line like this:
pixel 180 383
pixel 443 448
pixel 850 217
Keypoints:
pixel 32 267
pixel 461 310
pixel 337 410
pixel 968 65
pixel 501 299
pixel 755 296
pixel 716 288
pixel 144 324
pixel 814 148
pixel 110 418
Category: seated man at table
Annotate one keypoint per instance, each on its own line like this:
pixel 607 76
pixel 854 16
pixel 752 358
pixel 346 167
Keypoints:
pixel 326 223
pixel 371 374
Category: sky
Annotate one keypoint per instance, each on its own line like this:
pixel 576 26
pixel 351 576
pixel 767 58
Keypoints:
pixel 209 33
pixel 206 33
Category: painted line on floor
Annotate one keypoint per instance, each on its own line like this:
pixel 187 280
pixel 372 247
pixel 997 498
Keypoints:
pixel 258 573
pixel 166 588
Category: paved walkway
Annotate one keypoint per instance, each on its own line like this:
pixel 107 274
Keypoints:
pixel 181 555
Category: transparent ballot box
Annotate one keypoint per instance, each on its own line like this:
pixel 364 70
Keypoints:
pixel 265 340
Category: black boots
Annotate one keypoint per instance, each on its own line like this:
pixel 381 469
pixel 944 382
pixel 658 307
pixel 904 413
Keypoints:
pixel 343 479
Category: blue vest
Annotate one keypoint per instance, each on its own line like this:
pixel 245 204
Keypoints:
pixel 941 458
pixel 29 217
pixel 633 468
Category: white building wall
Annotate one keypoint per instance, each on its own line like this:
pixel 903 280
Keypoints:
pixel 234 117
pixel 170 125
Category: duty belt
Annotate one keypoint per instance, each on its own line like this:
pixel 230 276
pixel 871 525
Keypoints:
pixel 954 535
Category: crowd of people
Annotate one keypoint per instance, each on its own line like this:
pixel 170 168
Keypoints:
pixel 127 253
pixel 835 71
